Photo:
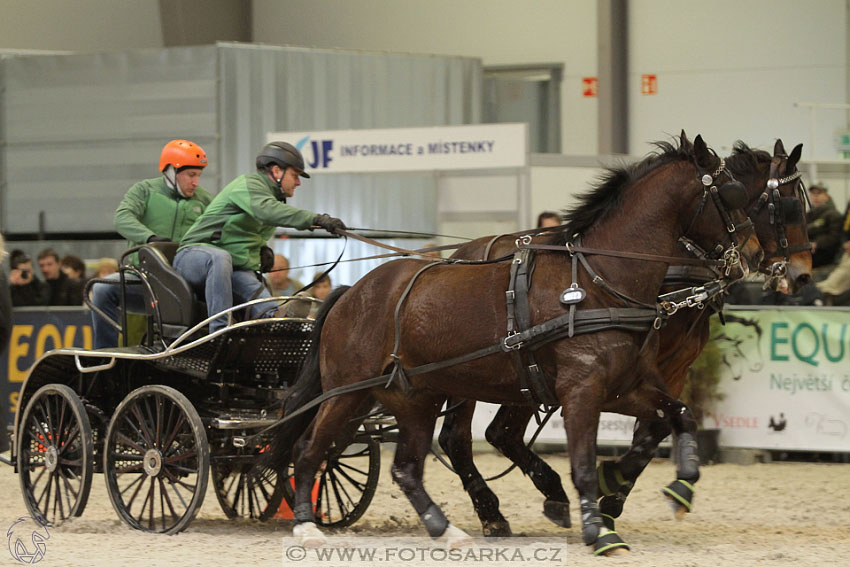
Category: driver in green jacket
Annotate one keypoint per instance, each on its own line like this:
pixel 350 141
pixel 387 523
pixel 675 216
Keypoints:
pixel 153 210
pixel 220 255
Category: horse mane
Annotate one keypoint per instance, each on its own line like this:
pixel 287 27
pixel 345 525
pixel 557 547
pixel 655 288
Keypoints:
pixel 606 194
pixel 745 160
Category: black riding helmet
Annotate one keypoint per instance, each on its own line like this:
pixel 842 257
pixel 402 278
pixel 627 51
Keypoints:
pixel 282 154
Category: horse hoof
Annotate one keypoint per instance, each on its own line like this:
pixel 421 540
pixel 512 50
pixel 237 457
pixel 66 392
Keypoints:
pixel 454 538
pixel 609 543
pixel 497 529
pixel 309 535
pixel 681 496
pixel 558 513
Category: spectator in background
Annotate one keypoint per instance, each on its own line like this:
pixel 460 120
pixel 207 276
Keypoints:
pixel 824 224
pixel 5 332
pixel 279 280
pixel 160 209
pixel 106 267
pixel 431 253
pixel 61 290
pixel 548 219
pixel 836 286
pixel 25 288
pixel 74 267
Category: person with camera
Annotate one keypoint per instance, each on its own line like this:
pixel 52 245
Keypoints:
pixel 25 288
pixel 221 254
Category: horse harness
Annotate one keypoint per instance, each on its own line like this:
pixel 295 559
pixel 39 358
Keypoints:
pixel 522 339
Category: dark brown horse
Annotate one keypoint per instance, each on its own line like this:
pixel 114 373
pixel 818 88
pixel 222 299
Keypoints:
pixel 782 234
pixel 409 313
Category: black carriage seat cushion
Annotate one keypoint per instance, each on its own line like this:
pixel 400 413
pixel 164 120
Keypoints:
pixel 179 307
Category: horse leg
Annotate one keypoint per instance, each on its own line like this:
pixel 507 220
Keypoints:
pixel 581 420
pixel 658 414
pixel 456 440
pixel 505 433
pixel 416 419
pixel 681 491
pixel 617 478
pixel 308 454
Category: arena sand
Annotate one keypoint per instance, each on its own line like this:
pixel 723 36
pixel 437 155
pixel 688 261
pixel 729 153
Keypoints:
pixel 774 514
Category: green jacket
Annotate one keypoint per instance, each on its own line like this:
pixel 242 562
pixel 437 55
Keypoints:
pixel 152 208
pixel 243 217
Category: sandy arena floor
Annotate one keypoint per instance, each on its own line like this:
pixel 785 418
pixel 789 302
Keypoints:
pixel 764 514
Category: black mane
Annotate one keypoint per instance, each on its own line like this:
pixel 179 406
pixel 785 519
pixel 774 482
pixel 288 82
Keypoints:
pixel 745 160
pixel 606 195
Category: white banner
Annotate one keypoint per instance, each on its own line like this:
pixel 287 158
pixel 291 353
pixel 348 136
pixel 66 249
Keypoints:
pixel 479 146
pixel 785 382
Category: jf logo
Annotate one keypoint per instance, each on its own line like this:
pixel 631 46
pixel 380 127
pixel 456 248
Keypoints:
pixel 27 539
pixel 320 149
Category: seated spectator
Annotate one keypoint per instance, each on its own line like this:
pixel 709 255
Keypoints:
pixel 5 332
pixel 106 267
pixel 279 280
pixel 431 253
pixel 547 219
pixel 61 290
pixel 25 288
pixel 824 224
pixel 320 289
pixel 807 295
pixel 74 267
pixel 836 286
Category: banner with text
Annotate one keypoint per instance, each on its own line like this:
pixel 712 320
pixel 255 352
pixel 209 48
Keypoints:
pixel 479 146
pixel 785 385
pixel 34 332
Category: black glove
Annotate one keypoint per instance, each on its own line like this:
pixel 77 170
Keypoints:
pixel 156 238
pixel 266 259
pixel 329 223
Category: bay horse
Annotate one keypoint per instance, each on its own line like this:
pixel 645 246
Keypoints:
pixel 780 226
pixel 409 313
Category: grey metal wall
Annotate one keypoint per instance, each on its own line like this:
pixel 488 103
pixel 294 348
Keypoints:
pixel 80 129
pixel 274 89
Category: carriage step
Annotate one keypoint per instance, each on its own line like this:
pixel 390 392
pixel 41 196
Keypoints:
pixel 241 422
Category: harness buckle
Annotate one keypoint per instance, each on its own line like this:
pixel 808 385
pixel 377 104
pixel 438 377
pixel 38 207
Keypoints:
pixel 510 343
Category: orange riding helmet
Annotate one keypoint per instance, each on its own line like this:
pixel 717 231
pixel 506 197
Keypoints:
pixel 182 153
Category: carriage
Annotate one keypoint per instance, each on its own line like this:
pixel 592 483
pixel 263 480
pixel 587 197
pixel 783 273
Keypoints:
pixel 153 417
pixel 159 418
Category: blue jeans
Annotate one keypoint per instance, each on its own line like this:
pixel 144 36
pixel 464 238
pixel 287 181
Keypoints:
pixel 107 297
pixel 209 270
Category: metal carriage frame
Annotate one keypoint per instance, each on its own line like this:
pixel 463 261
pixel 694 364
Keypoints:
pixel 156 419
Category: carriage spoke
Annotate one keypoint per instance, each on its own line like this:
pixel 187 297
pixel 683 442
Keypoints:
pixel 337 488
pixel 139 483
pixel 142 426
pixel 340 469
pixel 72 435
pixel 41 431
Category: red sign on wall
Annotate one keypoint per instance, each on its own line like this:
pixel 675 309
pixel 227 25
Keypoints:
pixel 648 84
pixel 589 86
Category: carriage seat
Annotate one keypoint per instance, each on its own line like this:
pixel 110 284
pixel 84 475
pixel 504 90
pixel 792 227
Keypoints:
pixel 179 306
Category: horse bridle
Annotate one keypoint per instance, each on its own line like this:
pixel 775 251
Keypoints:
pixel 779 216
pixel 726 250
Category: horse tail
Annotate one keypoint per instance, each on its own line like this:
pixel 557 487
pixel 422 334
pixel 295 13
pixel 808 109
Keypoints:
pixel 307 386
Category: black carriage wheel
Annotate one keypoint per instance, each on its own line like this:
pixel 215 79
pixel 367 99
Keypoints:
pixel 244 492
pixel 55 455
pixel 346 484
pixel 156 460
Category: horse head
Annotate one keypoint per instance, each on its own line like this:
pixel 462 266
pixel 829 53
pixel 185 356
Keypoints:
pixel 740 246
pixel 776 196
